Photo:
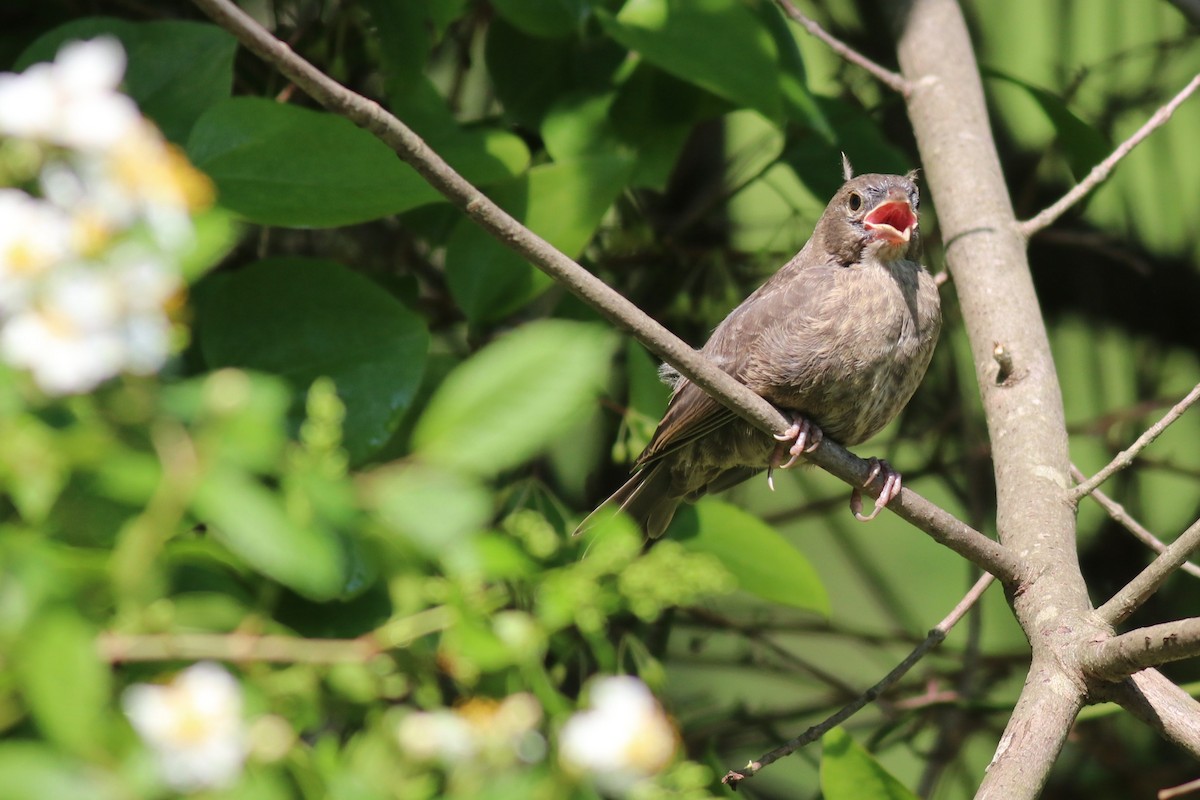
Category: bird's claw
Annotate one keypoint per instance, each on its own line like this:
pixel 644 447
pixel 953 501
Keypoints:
pixel 891 488
pixel 805 438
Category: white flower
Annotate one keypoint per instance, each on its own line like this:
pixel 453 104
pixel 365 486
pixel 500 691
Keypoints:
pixel 89 268
pixel 193 725
pixel 34 237
pixel 72 102
pixel 478 730
pixel 78 331
pixel 622 739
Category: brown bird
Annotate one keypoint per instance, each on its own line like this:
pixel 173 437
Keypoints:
pixel 838 339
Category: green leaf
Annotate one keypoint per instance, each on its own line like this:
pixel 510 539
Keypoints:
pixel 856 133
pixel 1082 144
pixel 304 318
pixel 277 164
pixel 529 73
pixel 720 45
pixel 216 233
pixel 237 417
pixel 404 38
pixel 764 563
pixel 433 508
pixel 848 772
pixel 656 112
pixel 563 203
pixel 63 680
pixel 34 772
pixel 250 520
pixel 176 69
pixel 507 402
pixel 543 17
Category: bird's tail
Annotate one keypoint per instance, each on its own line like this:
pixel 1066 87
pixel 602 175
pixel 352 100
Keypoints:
pixel 645 497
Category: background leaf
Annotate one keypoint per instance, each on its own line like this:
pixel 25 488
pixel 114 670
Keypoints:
pixel 303 318
pixel 741 51
pixel 176 69
pixel 250 520
pixel 63 681
pixel 544 17
pixel 764 563
pixel 508 401
pixel 278 164
pixel 848 772
pixel 563 203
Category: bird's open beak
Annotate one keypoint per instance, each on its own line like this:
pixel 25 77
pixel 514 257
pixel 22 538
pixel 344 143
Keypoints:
pixel 892 221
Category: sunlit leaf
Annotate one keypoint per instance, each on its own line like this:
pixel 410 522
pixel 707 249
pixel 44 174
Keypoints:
pixel 251 520
pixel 848 772
pixel 278 164
pixel 63 680
pixel 764 563
pixel 505 403
pixel 563 203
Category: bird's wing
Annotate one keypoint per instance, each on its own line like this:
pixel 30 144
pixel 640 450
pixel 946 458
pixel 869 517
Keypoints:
pixel 691 413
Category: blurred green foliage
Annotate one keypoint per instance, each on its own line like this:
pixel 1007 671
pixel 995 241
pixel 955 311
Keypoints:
pixel 368 459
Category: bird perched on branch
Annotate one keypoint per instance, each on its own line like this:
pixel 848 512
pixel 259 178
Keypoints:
pixel 838 339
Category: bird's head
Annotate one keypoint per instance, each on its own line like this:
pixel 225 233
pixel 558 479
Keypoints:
pixel 873 215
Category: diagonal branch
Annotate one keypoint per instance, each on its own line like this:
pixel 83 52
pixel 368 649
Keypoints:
pixel 1131 597
pixel 936 636
pixel 1126 456
pixel 893 80
pixel 926 516
pixel 1118 514
pixel 1047 216
pixel 1160 704
pixel 1119 657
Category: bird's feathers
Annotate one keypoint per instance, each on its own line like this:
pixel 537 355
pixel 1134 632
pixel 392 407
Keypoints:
pixel 841 334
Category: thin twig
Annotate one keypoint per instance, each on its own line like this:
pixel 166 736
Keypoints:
pixel 1122 517
pixel 245 647
pixel 1138 590
pixel 118 648
pixel 935 637
pixel 1182 789
pixel 893 80
pixel 757 634
pixel 1119 657
pixel 1126 456
pixel 942 526
pixel 1046 217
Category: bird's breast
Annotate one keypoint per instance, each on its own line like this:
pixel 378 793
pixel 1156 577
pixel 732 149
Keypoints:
pixel 853 361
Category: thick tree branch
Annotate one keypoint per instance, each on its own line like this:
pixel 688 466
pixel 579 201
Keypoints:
pixel 1118 514
pixel 1126 456
pixel 1046 217
pixel 893 80
pixel 936 636
pixel 1120 656
pixel 985 253
pixel 1131 597
pixel 411 148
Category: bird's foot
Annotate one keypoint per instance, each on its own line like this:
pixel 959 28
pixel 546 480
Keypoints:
pixel 891 488
pixel 804 437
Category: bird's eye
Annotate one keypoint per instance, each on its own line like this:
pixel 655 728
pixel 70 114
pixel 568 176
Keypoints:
pixel 855 201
